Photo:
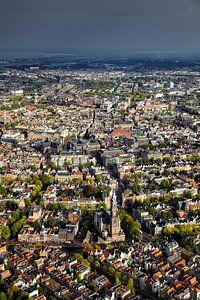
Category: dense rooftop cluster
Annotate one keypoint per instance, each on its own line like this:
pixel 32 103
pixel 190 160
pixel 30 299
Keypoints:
pixel 99 184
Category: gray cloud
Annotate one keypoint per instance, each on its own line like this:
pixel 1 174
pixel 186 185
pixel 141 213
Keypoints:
pixel 63 25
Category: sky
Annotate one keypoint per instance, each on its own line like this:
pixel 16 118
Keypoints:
pixel 99 25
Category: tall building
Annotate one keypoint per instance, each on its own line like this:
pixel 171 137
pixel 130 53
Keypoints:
pixel 107 222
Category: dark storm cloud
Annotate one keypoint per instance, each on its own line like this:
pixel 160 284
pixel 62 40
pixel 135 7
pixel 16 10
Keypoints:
pixel 62 25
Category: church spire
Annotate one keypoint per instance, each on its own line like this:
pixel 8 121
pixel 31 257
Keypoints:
pixel 114 203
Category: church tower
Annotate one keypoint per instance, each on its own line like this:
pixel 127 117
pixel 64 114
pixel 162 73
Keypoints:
pixel 115 224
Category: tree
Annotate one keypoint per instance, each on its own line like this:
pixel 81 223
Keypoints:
pixel 78 276
pixel 96 264
pixel 38 245
pixel 17 226
pixel 78 180
pixel 2 285
pixel 62 207
pixel 168 159
pixel 51 222
pixel 117 277
pixel 3 190
pixel 130 285
pixel 136 188
pixel 106 188
pixel 12 205
pixel 158 161
pixel 9 266
pixel 16 215
pixel 38 183
pixel 146 202
pixel 166 198
pixel 110 247
pixel 11 221
pixel 98 247
pixel 90 259
pixel 91 190
pixel 153 186
pixel 87 246
pixel 14 293
pixel 111 271
pixel 79 257
pixel 152 239
pixel 90 180
pixel 55 206
pixel 5 232
pixel 3 296
pixel 37 225
pixel 169 230
pixel 99 178
pixel 152 211
pixel 129 205
pixel 86 263
pixel 27 202
pixel 53 165
pixel 131 228
pixel 166 215
pixel 47 180
pixel 165 184
pixel 101 205
pixel 33 168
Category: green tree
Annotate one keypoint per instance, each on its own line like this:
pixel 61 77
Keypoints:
pixel 111 271
pixel 37 225
pixel 110 247
pixel 3 190
pixel 3 296
pixel 51 222
pixel 152 239
pixel 136 188
pixel 12 205
pixel 169 230
pixel 47 180
pixel 152 211
pixel 16 215
pixel 33 168
pixel 131 285
pixel 5 232
pixel 166 215
pixel 55 206
pixel 62 207
pixel 99 178
pixel 53 165
pixel 129 225
pixel 101 205
pixel 11 221
pixel 117 277
pixel 153 186
pixel 79 257
pixel 165 184
pixel 96 264
pixel 78 277
pixel 86 263
pixel 27 202
pixel 17 226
